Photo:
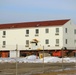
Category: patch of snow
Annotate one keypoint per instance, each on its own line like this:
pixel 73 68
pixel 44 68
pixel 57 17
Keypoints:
pixel 35 59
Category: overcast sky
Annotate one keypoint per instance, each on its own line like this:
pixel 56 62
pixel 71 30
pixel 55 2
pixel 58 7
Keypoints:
pixel 36 10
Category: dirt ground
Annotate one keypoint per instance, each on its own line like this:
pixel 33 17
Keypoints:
pixel 68 72
pixel 37 69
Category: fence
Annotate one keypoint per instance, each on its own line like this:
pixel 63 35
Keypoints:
pixel 31 65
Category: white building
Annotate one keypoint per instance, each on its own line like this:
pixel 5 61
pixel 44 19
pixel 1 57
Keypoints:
pixel 33 36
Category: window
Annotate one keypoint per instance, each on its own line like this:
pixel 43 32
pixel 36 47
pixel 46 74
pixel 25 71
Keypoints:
pixel 57 31
pixel 4 42
pixel 74 31
pixel 66 41
pixel 74 41
pixel 46 41
pixel 27 43
pixel 57 41
pixel 4 32
pixel 65 30
pixel 27 31
pixel 37 31
pixel 47 30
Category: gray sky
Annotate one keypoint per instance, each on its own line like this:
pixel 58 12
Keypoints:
pixel 36 10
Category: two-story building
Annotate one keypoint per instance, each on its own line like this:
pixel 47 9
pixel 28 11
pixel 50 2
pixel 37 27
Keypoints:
pixel 33 37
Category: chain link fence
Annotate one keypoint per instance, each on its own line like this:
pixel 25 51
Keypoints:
pixel 16 67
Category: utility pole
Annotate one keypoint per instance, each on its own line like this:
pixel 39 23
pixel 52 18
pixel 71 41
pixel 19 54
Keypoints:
pixel 43 58
pixel 16 59
pixel 62 60
pixel 75 59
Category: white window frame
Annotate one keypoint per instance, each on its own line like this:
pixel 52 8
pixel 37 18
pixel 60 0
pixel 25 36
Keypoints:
pixel 47 41
pixel 74 31
pixel 27 43
pixel 66 30
pixel 37 31
pixel 27 31
pixel 66 41
pixel 57 41
pixel 46 30
pixel 57 31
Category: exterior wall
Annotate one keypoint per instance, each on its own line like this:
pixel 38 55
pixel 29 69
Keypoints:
pixel 70 36
pixel 18 37
pixel 15 37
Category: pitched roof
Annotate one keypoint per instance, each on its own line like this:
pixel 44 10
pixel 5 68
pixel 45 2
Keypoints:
pixel 34 24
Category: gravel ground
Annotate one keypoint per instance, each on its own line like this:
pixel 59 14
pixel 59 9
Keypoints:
pixel 36 68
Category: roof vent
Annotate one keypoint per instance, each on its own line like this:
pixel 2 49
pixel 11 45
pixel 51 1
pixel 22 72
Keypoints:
pixel 37 25
pixel 13 26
